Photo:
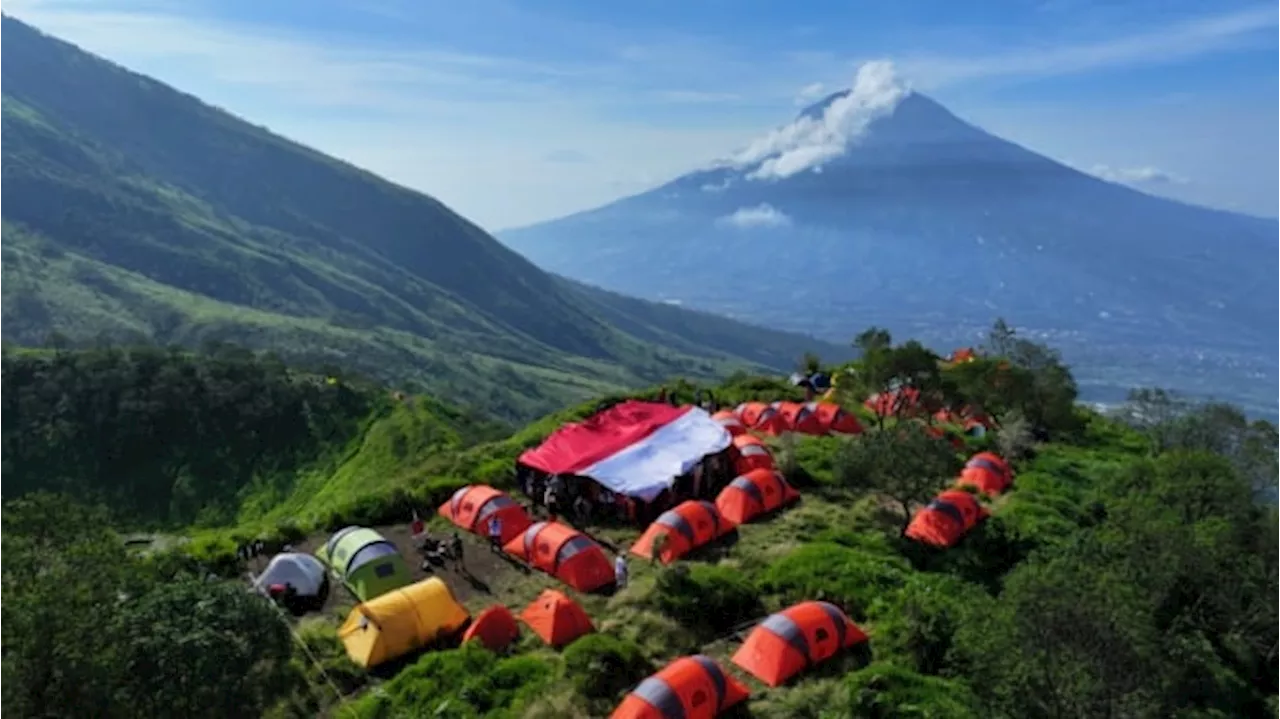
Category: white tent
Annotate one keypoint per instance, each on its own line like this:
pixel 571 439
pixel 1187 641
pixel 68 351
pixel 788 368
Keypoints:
pixel 303 571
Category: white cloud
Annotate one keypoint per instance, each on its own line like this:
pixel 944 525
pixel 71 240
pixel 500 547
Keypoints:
pixel 809 93
pixel 1137 175
pixel 808 141
pixel 762 215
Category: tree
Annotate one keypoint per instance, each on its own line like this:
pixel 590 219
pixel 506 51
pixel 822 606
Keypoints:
pixel 1067 638
pixel 200 649
pixel 1036 383
pixel 904 463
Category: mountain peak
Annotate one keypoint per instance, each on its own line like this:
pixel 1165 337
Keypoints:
pixel 879 109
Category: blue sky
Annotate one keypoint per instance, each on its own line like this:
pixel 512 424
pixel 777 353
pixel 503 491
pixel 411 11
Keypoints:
pixel 517 112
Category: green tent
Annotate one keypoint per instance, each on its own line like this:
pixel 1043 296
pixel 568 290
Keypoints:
pixel 365 561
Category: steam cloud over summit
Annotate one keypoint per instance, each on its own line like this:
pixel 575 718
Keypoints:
pixel 816 137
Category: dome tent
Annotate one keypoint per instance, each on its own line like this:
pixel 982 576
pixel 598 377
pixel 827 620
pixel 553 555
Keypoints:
pixel 365 562
pixel 495 628
pixel 556 618
pixel 303 572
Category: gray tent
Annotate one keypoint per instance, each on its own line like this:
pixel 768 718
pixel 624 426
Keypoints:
pixel 303 571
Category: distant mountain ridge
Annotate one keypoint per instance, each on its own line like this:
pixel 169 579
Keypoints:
pixel 879 206
pixel 135 212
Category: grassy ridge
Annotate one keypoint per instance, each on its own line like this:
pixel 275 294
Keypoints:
pixel 213 229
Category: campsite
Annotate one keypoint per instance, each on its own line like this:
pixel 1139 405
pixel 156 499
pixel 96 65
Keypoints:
pixel 792 548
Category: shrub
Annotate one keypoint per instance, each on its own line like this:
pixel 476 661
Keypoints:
pixel 708 599
pixel 466 682
pixel 850 578
pixel 601 666
pixel 916 624
pixel 887 691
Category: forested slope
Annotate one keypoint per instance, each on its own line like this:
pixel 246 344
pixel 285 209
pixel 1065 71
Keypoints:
pixel 137 213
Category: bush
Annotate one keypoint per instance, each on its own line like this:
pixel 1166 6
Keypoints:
pixel 886 691
pixel 916 624
pixel 466 682
pixel 708 599
pixel 601 666
pixel 849 578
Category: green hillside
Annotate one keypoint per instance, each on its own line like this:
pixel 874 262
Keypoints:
pixel 137 213
pixel 1130 570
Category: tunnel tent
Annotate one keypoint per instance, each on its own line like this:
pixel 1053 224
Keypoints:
pixel 688 526
pixel 987 472
pixel 692 687
pixel 304 572
pixel 761 417
pixel 730 421
pixel 755 493
pixel 400 621
pixel 472 506
pixel 634 448
pixel 944 521
pixel 494 627
pixel 556 618
pixel 799 417
pixel 795 639
pixel 749 453
pixel 834 419
pixel 564 553
pixel 365 562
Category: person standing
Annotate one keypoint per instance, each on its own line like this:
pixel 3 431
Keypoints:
pixel 455 544
pixel 620 571
pixel 495 533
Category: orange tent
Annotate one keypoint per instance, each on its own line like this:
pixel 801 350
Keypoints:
pixel 939 433
pixel 946 519
pixel 556 618
pixel 799 418
pixel 495 627
pixel 904 401
pixel 730 421
pixel 791 641
pixel 761 417
pixel 987 472
pixel 688 688
pixel 754 493
pixel 564 553
pixel 965 354
pixel 474 505
pixel 832 418
pixel 689 526
pixel 749 452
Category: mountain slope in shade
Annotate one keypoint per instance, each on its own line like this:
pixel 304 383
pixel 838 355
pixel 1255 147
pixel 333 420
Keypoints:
pixel 878 206
pixel 136 212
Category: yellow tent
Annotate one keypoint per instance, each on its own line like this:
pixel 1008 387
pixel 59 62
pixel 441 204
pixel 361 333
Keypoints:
pixel 396 623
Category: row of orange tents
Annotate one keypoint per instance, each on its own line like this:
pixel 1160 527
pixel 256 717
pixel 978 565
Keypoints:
pixel 757 490
pixel 552 547
pixel 777 418
pixel 945 520
pixel 780 647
